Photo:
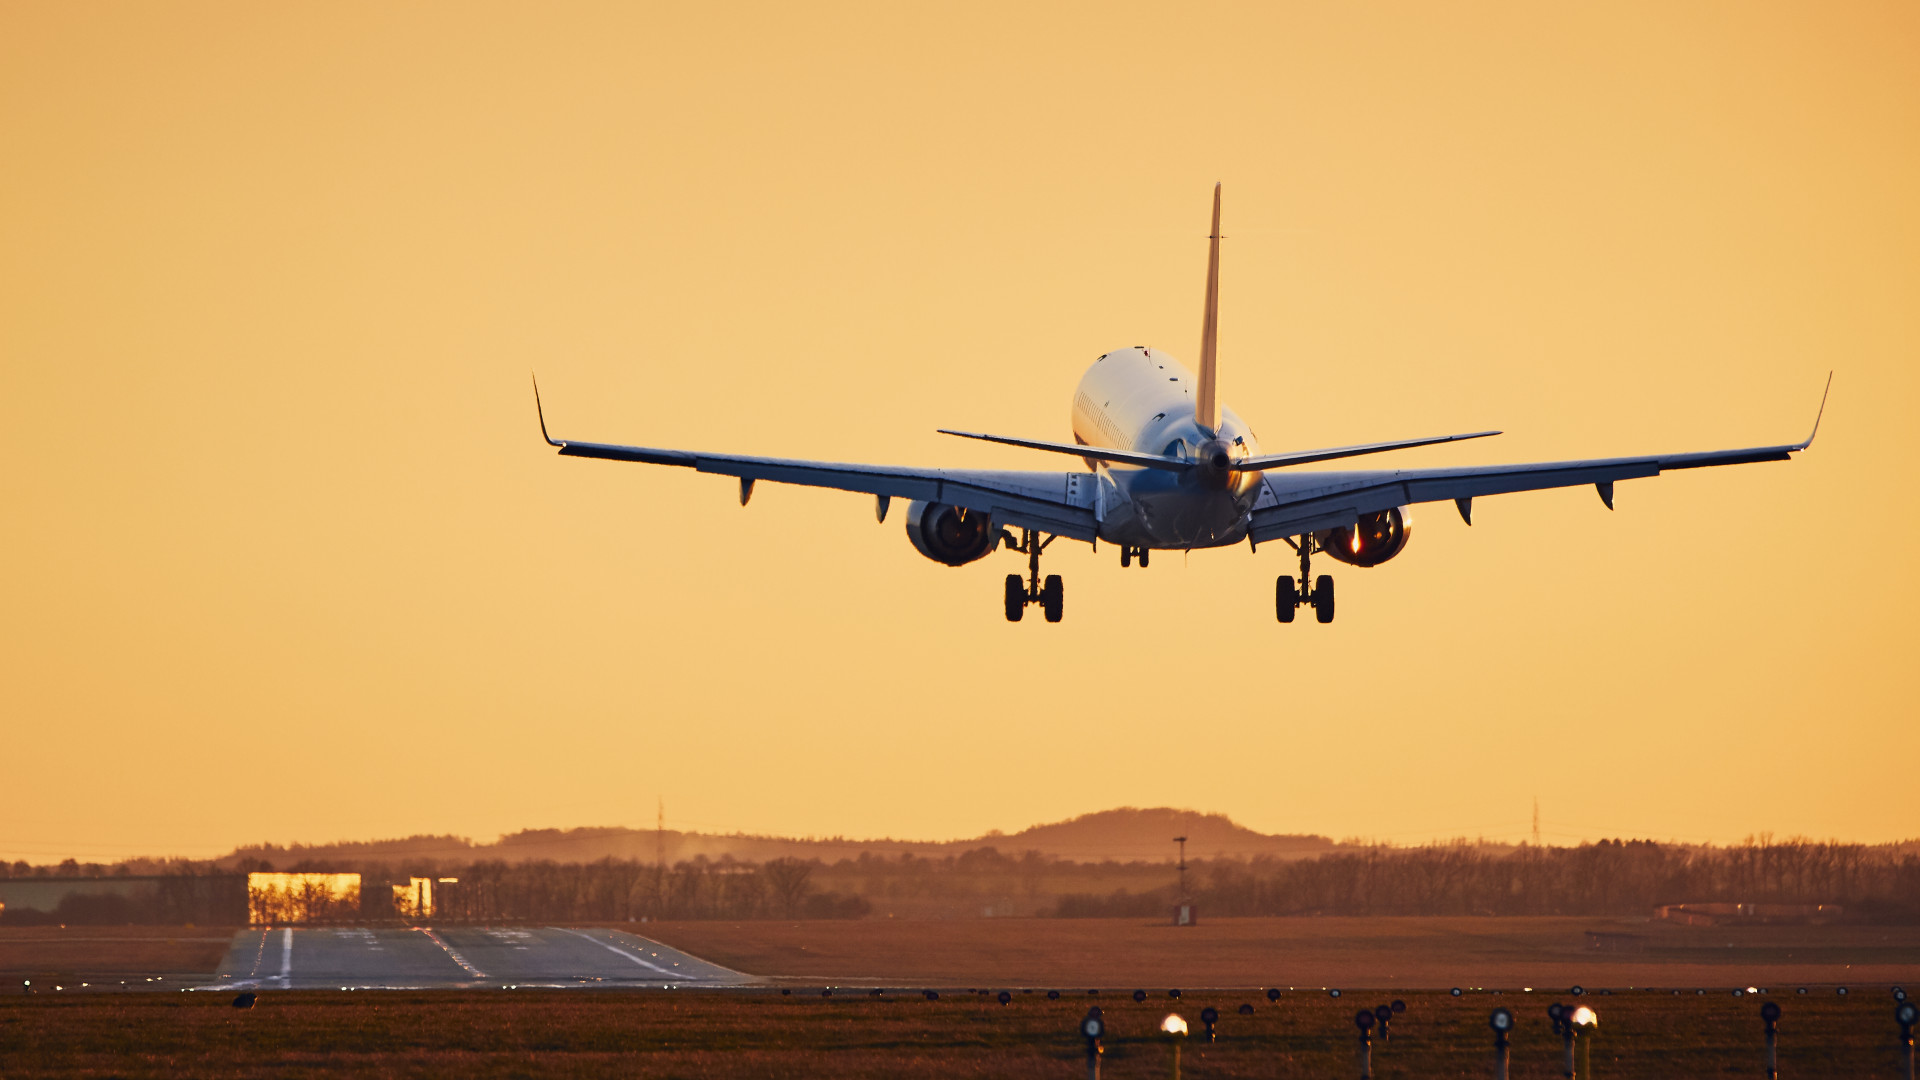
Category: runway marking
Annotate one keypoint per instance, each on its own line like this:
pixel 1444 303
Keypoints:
pixel 286 956
pixel 451 953
pixel 610 947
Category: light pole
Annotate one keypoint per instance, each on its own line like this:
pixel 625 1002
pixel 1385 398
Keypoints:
pixel 1184 917
pixel 1502 1022
pixel 1364 1021
pixel 1906 1014
pixel 1092 1028
pixel 1176 1031
pixel 1770 1016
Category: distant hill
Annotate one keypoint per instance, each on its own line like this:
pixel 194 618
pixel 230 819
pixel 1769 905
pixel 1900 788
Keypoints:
pixel 1123 835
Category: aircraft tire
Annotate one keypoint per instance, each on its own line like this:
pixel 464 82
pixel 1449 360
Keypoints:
pixel 1323 598
pixel 1126 556
pixel 1053 599
pixel 1143 558
pixel 1016 598
pixel 1285 599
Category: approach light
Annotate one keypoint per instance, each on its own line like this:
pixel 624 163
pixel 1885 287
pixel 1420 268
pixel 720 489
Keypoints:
pixel 1005 997
pixel 1246 1009
pixel 1273 993
pixel 1173 1025
pixel 1455 991
pixel 1584 1016
pixel 1364 1020
pixel 1139 995
pixel 1501 1020
pixel 1577 991
pixel 1906 1015
pixel 1053 995
pixel 1333 993
pixel 1770 1012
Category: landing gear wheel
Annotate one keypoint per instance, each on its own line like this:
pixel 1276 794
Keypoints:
pixel 1126 556
pixel 1016 598
pixel 1053 598
pixel 1323 599
pixel 1143 558
pixel 1285 599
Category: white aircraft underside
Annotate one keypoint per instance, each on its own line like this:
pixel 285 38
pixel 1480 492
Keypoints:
pixel 1169 468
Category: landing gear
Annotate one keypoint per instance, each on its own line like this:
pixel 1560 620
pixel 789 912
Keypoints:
pixel 1051 596
pixel 1289 596
pixel 1128 554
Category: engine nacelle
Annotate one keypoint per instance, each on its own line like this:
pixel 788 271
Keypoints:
pixel 1372 540
pixel 942 534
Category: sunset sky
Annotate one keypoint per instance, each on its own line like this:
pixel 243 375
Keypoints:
pixel 285 558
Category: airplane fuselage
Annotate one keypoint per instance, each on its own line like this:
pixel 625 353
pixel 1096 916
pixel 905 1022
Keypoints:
pixel 1142 399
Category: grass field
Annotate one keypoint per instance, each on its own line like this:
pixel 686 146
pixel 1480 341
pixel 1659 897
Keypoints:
pixel 1415 953
pixel 109 954
pixel 763 1034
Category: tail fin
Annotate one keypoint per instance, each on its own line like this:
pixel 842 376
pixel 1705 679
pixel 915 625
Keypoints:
pixel 1206 404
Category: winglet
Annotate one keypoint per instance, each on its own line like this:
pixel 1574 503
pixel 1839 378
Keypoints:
pixel 1206 402
pixel 542 413
pixel 1821 413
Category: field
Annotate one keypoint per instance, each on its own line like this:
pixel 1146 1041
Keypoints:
pixel 108 954
pixel 852 1033
pixel 1413 953
pixel 764 1034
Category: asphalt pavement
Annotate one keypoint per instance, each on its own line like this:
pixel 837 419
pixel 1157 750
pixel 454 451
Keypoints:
pixel 465 957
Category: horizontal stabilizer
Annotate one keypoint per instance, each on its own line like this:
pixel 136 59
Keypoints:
pixel 1308 457
pixel 1094 453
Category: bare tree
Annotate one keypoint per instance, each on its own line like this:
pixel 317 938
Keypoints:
pixel 788 880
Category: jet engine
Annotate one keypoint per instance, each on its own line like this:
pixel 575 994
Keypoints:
pixel 1372 540
pixel 950 534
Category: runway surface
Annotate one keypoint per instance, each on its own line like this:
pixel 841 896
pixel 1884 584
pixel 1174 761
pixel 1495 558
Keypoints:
pixel 317 958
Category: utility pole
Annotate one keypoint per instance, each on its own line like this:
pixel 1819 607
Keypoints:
pixel 1183 915
pixel 1536 821
pixel 660 859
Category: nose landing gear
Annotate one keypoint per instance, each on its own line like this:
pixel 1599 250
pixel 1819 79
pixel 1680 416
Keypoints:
pixel 1288 596
pixel 1050 595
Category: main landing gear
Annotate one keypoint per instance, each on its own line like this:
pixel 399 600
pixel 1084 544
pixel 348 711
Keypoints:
pixel 1051 596
pixel 1128 554
pixel 1288 596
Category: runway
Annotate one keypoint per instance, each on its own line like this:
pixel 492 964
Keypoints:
pixel 416 958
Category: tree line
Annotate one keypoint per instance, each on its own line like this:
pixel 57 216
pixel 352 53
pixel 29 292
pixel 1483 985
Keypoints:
pixel 1610 877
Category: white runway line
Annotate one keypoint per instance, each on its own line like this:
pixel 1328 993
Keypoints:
pixel 453 955
pixel 612 948
pixel 286 956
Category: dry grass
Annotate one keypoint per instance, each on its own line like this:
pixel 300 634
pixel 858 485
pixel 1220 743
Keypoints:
pixel 762 1034
pixel 1428 953
pixel 109 953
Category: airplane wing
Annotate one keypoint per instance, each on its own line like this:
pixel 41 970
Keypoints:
pixel 1051 502
pixel 1298 503
pixel 1294 504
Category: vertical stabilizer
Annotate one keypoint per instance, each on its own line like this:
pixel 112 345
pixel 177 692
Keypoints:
pixel 1206 404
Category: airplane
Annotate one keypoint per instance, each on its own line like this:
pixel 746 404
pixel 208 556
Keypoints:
pixel 1169 468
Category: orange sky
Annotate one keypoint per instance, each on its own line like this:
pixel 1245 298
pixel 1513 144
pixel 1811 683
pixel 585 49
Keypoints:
pixel 285 558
